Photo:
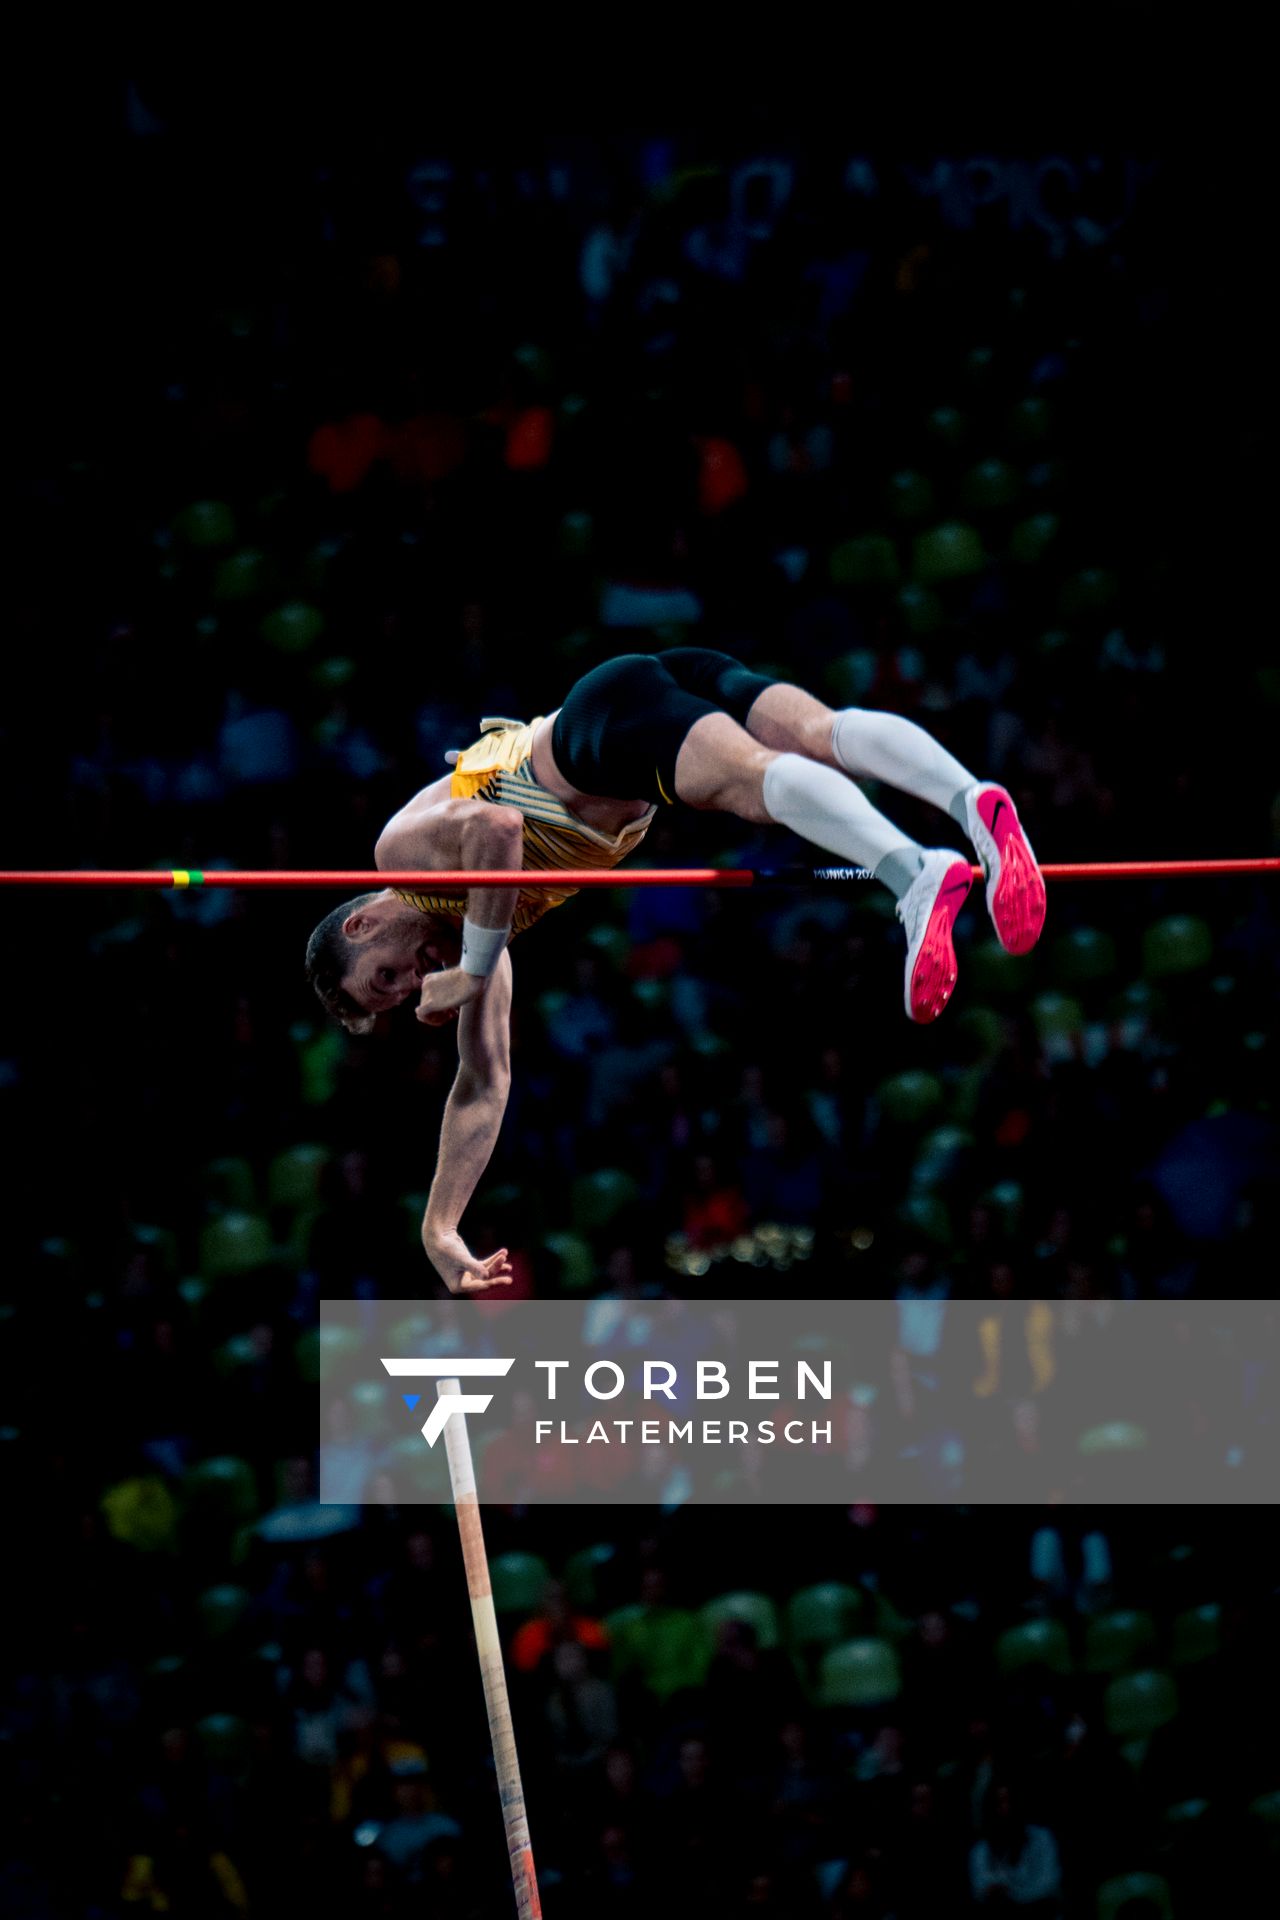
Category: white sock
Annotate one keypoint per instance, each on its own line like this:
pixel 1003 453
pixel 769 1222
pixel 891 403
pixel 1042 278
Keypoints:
pixel 821 806
pixel 884 746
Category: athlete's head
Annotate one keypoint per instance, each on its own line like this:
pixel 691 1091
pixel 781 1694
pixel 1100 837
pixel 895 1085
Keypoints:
pixel 370 955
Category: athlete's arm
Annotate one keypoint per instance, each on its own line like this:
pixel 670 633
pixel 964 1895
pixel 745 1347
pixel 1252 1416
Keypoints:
pixel 434 831
pixel 472 1117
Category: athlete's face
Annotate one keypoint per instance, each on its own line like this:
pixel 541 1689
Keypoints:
pixel 391 965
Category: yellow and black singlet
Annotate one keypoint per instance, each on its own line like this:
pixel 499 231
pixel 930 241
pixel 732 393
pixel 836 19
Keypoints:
pixel 499 768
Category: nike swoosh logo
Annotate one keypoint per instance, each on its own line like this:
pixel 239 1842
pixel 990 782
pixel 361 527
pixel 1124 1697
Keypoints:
pixel 999 809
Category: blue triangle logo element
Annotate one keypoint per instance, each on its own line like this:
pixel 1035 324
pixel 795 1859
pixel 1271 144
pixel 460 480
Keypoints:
pixel 411 1400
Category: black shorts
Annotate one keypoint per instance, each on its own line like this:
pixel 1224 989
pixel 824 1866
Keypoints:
pixel 622 725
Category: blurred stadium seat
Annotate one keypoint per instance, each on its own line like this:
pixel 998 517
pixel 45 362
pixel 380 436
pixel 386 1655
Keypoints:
pixel 1116 1642
pixel 755 1610
pixel 1139 1704
pixel 952 551
pixel 1144 1893
pixel 519 1582
pixel 859 1673
pixel 1035 1643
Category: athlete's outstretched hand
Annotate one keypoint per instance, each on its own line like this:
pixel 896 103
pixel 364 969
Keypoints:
pixel 444 994
pixel 460 1270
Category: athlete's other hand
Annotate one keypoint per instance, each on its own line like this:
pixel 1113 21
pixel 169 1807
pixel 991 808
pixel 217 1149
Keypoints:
pixel 459 1268
pixel 445 994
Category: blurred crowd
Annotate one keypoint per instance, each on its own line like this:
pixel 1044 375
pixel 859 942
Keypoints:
pixel 375 448
pixel 412 443
pixel 892 1713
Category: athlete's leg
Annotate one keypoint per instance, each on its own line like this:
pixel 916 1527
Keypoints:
pixel 789 720
pixel 863 743
pixel 870 745
pixel 720 766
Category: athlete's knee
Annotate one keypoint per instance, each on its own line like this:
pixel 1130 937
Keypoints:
pixel 739 791
pixel 790 720
pixel 744 794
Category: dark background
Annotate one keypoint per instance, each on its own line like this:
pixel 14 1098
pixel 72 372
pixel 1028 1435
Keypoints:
pixel 460 395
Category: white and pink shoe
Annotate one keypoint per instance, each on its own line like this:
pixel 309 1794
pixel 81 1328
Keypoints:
pixel 1015 887
pixel 928 912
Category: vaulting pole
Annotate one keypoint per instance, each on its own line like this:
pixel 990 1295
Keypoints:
pixel 484 1619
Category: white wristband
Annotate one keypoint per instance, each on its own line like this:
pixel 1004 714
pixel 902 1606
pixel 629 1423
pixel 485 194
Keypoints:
pixel 482 947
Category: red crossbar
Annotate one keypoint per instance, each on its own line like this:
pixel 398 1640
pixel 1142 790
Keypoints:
pixel 411 881
pixel 450 881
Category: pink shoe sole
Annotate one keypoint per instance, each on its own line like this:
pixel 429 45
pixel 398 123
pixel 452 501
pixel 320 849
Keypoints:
pixel 1016 903
pixel 933 977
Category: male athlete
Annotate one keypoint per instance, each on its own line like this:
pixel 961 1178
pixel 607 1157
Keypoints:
pixel 578 789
